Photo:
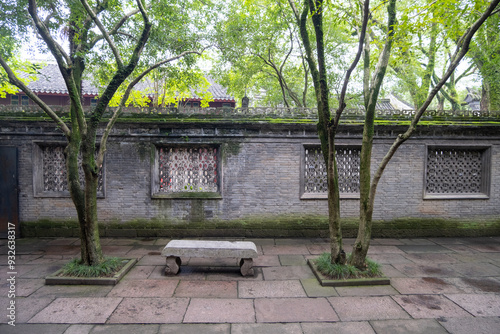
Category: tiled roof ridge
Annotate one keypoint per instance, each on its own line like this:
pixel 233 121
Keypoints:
pixel 50 81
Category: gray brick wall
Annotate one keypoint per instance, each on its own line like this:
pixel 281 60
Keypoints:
pixel 260 173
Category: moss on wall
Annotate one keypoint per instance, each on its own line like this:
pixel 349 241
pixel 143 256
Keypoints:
pixel 269 226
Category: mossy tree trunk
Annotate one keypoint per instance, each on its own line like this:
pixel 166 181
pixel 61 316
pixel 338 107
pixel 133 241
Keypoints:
pixel 81 133
pixel 369 188
pixel 327 126
pixel 371 88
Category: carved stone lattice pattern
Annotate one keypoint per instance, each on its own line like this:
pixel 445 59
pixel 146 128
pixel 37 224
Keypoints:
pixel 347 166
pixel 183 169
pixel 454 171
pixel 54 170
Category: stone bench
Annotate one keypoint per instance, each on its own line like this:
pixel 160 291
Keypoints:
pixel 244 250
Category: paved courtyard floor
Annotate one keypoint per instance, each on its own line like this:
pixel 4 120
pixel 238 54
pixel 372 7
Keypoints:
pixel 443 285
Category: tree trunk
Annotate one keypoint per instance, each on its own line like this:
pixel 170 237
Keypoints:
pixel 85 200
pixel 334 224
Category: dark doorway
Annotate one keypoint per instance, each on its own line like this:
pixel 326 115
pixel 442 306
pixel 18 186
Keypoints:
pixel 9 206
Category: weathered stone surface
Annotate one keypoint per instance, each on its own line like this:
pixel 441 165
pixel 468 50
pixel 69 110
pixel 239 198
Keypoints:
pixel 210 248
pixel 173 264
pixel 77 311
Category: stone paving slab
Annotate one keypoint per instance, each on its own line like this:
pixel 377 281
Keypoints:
pixel 367 308
pixel 152 260
pixel 80 329
pixel 389 271
pixel 425 285
pixel 25 287
pixel 33 329
pixel 144 288
pixel 266 329
pixel 29 307
pixel 74 291
pixel 294 310
pixel 419 326
pixel 434 258
pixel 376 290
pixel 232 274
pixel 150 311
pixel 318 249
pixel 142 250
pixel 390 258
pixel 471 325
pixel 463 249
pixel 292 242
pixel 486 247
pixel 387 242
pixel 292 260
pixel 116 250
pixel 338 327
pixel 210 310
pixel 77 311
pixel 314 289
pixel 125 329
pixel 430 306
pixel 383 249
pixel 37 271
pixel 194 329
pixel 73 250
pixel 138 273
pixel 287 272
pixel 479 284
pixel 271 289
pixel 266 261
pixel 186 272
pixel 480 305
pixel 475 269
pixel 207 289
pixel 285 249
pixel 424 249
pixel 417 242
pixel 439 270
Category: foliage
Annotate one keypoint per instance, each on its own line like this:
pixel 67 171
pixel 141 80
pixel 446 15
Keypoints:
pixel 259 53
pixel 347 271
pixel 120 42
pixel 107 268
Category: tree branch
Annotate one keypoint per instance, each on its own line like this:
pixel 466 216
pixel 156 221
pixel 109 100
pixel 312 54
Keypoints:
pixel 18 83
pixel 460 52
pixel 366 10
pixel 104 33
pixel 131 85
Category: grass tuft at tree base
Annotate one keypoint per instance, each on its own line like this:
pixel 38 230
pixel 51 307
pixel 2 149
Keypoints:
pixel 346 271
pixel 108 268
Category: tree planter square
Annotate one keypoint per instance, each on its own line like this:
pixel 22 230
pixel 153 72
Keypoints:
pixel 55 279
pixel 325 281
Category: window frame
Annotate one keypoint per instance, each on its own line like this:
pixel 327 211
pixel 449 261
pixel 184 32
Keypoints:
pixel 14 100
pixel 485 172
pixel 311 196
pixel 155 168
pixel 37 158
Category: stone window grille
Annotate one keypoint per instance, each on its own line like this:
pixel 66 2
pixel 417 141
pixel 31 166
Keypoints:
pixel 191 171
pixel 50 173
pixel 314 182
pixel 458 172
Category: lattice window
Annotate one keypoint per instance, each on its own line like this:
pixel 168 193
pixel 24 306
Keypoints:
pixel 188 169
pixel 456 171
pixel 348 160
pixel 54 174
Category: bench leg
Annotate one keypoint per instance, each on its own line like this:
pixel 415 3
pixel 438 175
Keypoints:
pixel 246 267
pixel 173 264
